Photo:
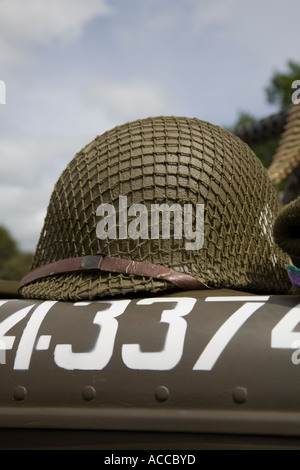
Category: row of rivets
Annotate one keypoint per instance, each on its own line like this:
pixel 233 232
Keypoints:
pixel 162 393
pixel 89 393
pixel 239 394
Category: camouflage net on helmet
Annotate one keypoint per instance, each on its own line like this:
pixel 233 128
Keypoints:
pixel 164 160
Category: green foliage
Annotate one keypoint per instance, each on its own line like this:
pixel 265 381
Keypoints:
pixel 280 89
pixel 13 263
pixel 16 266
pixel 8 246
pixel 243 118
pixel 278 92
pixel 264 151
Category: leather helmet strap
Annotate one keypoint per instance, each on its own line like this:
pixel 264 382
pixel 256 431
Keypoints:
pixel 113 265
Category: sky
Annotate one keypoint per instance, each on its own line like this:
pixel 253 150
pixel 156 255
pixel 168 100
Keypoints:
pixel 73 69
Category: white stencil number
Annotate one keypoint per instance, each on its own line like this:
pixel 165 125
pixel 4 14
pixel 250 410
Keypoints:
pixel 99 357
pixel 171 354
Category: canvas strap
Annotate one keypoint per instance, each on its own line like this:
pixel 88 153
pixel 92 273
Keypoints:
pixel 113 265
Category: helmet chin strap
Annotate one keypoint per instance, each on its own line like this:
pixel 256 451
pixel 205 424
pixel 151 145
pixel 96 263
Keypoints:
pixel 102 263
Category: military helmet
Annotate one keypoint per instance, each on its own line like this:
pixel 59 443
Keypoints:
pixel 159 204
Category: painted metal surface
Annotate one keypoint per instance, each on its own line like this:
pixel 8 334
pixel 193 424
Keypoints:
pixel 188 363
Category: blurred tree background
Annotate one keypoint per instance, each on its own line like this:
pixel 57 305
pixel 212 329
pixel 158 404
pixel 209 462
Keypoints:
pixel 280 89
pixel 278 92
pixel 264 151
pixel 13 262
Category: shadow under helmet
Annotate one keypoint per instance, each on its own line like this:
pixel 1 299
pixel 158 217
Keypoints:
pixel 220 234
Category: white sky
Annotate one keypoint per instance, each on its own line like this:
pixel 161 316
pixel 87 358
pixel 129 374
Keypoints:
pixel 76 68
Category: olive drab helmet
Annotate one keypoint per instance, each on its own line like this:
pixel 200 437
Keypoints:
pixel 158 204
